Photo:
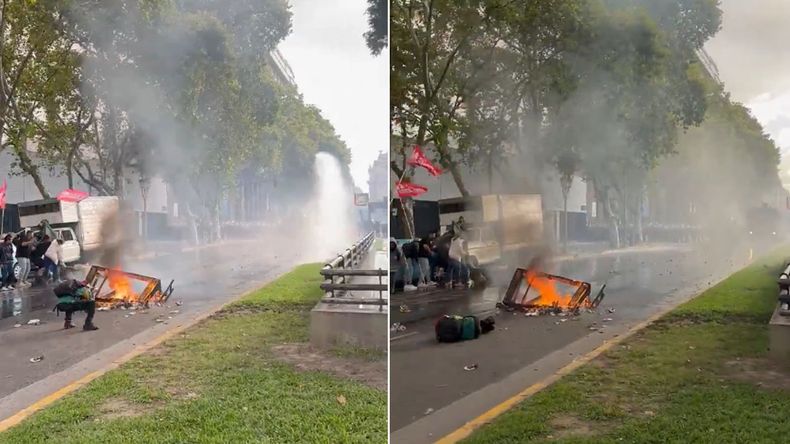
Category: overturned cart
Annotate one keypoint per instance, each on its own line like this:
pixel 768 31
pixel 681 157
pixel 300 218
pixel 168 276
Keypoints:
pixel 113 287
pixel 533 290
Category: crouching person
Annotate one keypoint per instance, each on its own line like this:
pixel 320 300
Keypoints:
pixel 75 296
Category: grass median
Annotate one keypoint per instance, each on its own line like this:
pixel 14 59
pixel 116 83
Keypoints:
pixel 699 374
pixel 221 381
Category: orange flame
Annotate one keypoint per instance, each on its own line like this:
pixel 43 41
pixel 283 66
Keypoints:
pixel 548 294
pixel 121 286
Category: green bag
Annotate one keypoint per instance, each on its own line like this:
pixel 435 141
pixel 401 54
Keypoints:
pixel 470 328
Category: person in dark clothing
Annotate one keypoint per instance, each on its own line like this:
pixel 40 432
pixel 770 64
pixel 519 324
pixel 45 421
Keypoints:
pixel 424 258
pixel 75 296
pixel 6 263
pixel 37 253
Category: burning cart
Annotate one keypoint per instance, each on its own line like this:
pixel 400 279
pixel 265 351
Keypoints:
pixel 533 290
pixel 114 288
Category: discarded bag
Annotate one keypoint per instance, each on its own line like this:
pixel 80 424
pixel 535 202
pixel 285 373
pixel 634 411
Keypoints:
pixel 457 328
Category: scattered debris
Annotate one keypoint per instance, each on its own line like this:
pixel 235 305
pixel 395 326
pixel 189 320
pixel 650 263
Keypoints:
pixel 34 322
pixel 17 325
pixel 178 303
pixel 341 400
pixel 37 359
pixel 608 319
pixel 610 310
pixel 103 309
pixel 405 309
pixel 470 368
pixel 397 327
pixel 174 311
pixel 428 411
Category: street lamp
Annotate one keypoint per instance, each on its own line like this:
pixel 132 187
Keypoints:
pixel 145 185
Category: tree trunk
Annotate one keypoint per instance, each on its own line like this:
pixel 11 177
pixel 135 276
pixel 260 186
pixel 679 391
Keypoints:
pixel 490 172
pixel 27 166
pixel 614 232
pixel 564 222
pixel 217 232
pixel 192 223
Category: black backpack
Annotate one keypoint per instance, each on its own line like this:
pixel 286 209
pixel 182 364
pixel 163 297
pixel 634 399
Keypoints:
pixel 410 250
pixel 67 287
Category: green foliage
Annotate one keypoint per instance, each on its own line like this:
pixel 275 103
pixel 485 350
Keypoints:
pixel 144 85
pixel 378 22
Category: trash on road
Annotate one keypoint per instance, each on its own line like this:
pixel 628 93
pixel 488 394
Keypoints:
pixel 103 309
pixel 37 359
pixel 470 368
pixel 405 309
pixel 34 322
pixel 397 327
pixel 341 400
pixel 17 325
pixel 428 411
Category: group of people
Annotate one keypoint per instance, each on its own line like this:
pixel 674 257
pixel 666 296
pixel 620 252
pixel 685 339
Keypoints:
pixel 431 261
pixel 27 250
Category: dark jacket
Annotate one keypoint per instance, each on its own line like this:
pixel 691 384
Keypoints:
pixel 6 253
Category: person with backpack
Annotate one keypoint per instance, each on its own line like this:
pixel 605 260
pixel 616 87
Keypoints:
pixel 74 296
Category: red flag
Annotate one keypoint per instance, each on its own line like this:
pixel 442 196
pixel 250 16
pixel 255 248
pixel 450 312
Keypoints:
pixel 2 194
pixel 408 189
pixel 417 158
pixel 72 195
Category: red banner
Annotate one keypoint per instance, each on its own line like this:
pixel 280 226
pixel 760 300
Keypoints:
pixel 2 194
pixel 418 158
pixel 408 189
pixel 71 195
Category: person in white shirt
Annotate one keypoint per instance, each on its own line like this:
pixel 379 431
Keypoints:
pixel 459 273
pixel 53 259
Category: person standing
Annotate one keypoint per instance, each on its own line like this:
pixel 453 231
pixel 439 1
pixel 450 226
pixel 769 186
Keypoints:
pixel 6 263
pixel 24 246
pixel 53 259
pixel 459 273
pixel 424 260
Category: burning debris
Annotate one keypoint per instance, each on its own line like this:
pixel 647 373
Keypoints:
pixel 539 293
pixel 120 291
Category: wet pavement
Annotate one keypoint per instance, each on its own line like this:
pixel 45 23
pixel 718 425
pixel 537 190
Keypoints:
pixel 203 279
pixel 427 377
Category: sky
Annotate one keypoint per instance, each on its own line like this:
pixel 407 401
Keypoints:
pixel 753 57
pixel 335 71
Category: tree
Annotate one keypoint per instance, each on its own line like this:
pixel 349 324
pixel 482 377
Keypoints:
pixel 378 23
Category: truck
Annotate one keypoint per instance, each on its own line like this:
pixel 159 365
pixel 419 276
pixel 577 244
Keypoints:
pixel 79 225
pixel 495 226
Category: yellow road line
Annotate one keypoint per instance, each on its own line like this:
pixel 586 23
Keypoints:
pixel 25 413
pixel 467 429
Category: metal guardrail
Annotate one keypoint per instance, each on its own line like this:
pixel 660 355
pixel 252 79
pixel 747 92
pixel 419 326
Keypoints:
pixel 343 266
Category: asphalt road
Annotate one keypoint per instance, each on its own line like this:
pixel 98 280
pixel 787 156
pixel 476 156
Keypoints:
pixel 203 279
pixel 431 393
